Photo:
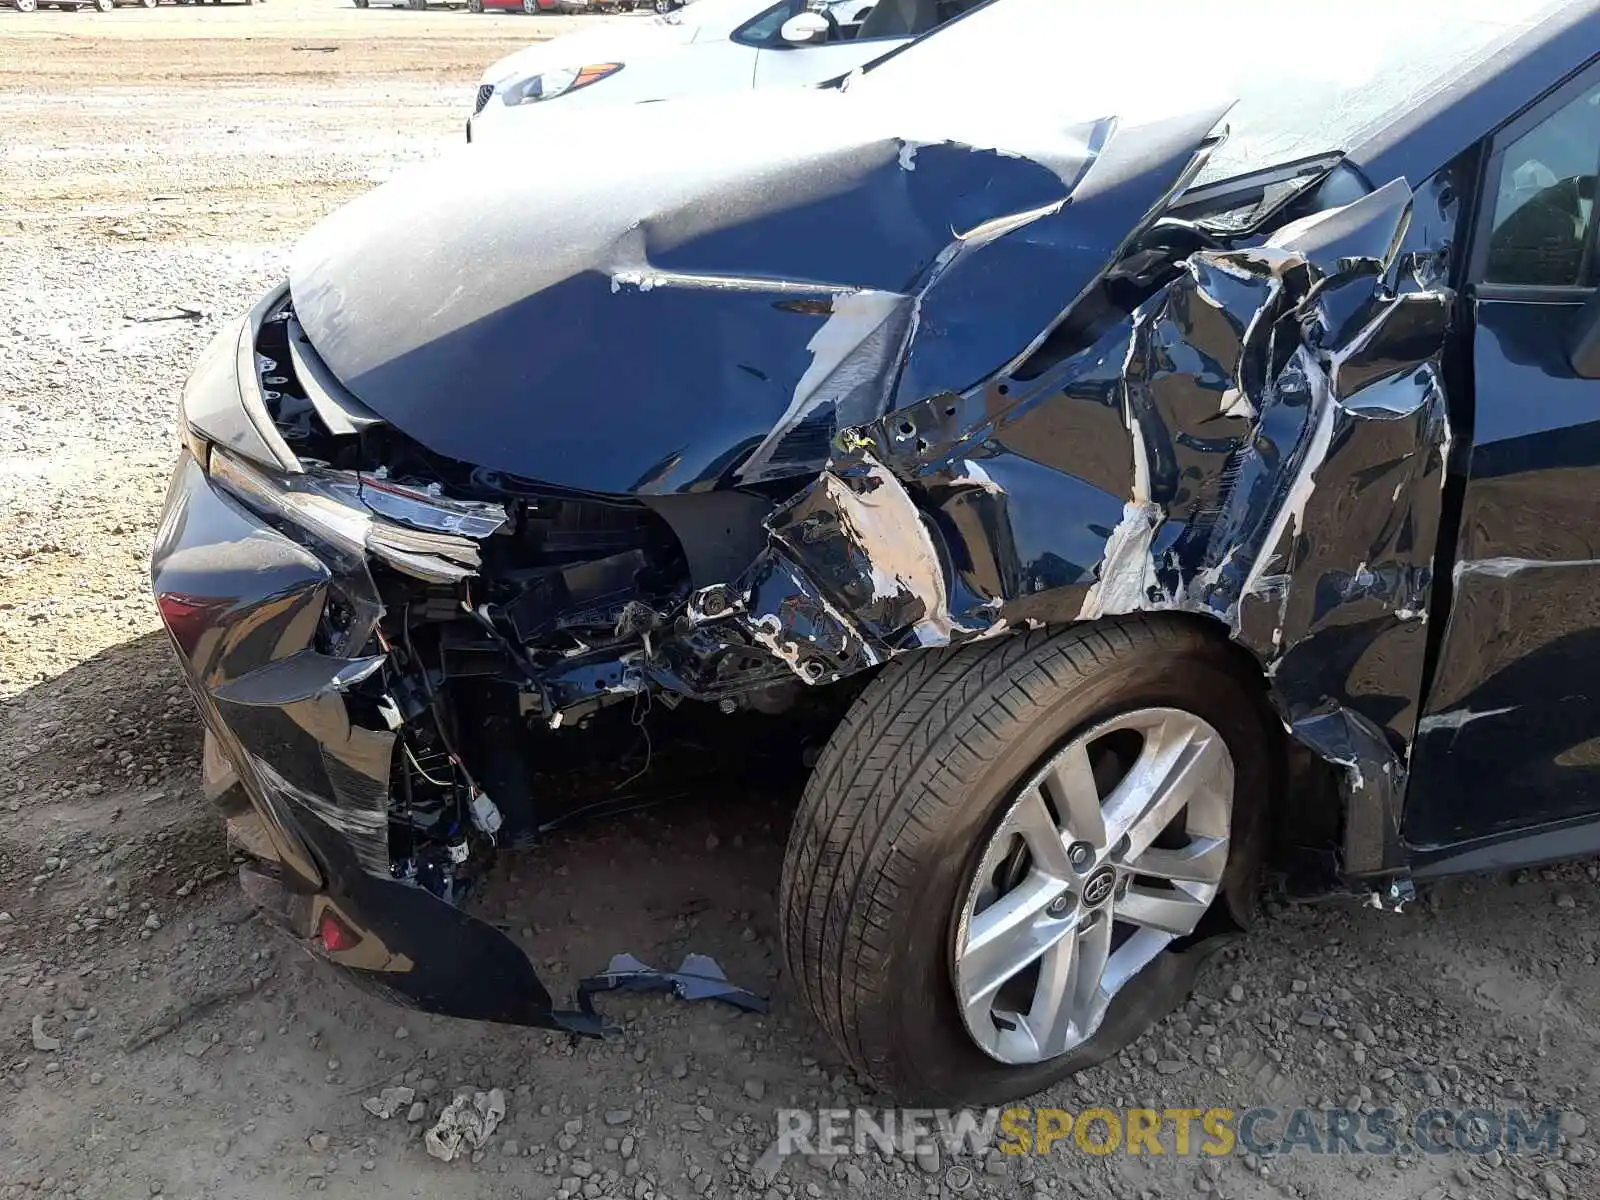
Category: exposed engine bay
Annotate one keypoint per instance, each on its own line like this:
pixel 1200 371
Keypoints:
pixel 511 612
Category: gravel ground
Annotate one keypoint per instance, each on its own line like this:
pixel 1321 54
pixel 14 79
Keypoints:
pixel 156 1039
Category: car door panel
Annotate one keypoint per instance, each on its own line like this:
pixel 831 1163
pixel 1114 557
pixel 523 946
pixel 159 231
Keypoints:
pixel 1511 731
pixel 1510 734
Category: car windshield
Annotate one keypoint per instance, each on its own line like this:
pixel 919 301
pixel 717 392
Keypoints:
pixel 1307 80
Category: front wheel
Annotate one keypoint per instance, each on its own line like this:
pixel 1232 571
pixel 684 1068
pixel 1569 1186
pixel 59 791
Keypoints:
pixel 1004 845
pixel 103 5
pixel 25 5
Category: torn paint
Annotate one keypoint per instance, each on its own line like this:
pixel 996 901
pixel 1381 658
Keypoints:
pixel 1275 421
pixel 1459 719
pixel 1504 568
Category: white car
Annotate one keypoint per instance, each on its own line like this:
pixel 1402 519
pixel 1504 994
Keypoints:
pixel 708 46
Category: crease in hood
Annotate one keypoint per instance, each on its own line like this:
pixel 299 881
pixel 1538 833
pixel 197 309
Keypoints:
pixel 685 295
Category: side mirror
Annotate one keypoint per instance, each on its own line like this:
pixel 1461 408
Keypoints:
pixel 1583 340
pixel 805 29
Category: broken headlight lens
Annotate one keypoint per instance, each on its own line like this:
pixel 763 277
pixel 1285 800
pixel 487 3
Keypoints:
pixel 309 501
pixel 547 85
pixel 429 537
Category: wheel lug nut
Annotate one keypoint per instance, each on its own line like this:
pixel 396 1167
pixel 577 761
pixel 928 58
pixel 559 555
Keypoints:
pixel 1060 905
pixel 1080 854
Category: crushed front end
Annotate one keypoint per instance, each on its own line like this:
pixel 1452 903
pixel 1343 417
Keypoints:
pixel 385 643
pixel 879 394
pixel 364 691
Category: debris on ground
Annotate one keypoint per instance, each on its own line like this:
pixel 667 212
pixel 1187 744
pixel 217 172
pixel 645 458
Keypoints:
pixel 466 1119
pixel 168 1020
pixel 41 1039
pixel 389 1101
pixel 169 312
pixel 698 978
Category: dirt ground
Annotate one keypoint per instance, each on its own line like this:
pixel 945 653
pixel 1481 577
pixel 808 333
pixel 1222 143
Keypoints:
pixel 156 1039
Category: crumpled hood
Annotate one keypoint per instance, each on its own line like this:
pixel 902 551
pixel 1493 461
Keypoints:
pixel 605 43
pixel 690 294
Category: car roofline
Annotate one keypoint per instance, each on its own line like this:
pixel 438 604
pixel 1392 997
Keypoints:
pixel 1425 137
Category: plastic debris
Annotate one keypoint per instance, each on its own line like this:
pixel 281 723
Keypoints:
pixel 699 978
pixel 469 1120
pixel 171 312
pixel 389 1101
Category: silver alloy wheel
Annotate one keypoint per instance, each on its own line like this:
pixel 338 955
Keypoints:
pixel 1077 891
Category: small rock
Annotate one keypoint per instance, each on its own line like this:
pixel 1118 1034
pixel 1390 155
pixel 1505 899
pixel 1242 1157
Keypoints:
pixel 617 1116
pixel 42 1041
pixel 388 1102
pixel 1553 1183
pixel 755 1089
pixel 416 1112
pixel 1573 1124
pixel 927 1156
pixel 401 1034
pixel 318 1143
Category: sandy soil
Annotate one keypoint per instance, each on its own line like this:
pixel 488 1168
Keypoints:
pixel 156 162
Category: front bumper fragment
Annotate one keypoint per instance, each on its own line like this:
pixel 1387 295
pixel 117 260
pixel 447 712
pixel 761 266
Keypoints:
pixel 242 603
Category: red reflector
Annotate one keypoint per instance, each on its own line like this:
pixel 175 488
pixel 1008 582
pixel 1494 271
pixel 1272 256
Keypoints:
pixel 334 934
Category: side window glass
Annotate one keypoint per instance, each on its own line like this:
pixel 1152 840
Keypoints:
pixel 844 17
pixel 763 30
pixel 1544 206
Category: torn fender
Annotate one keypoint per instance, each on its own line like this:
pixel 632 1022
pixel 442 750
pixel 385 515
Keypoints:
pixel 1261 442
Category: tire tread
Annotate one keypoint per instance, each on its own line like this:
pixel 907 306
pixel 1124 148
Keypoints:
pixel 898 763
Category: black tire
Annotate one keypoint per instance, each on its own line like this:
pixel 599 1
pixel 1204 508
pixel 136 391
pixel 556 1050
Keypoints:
pixel 904 796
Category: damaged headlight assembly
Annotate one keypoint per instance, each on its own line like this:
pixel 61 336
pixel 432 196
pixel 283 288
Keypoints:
pixel 342 509
pixel 547 85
